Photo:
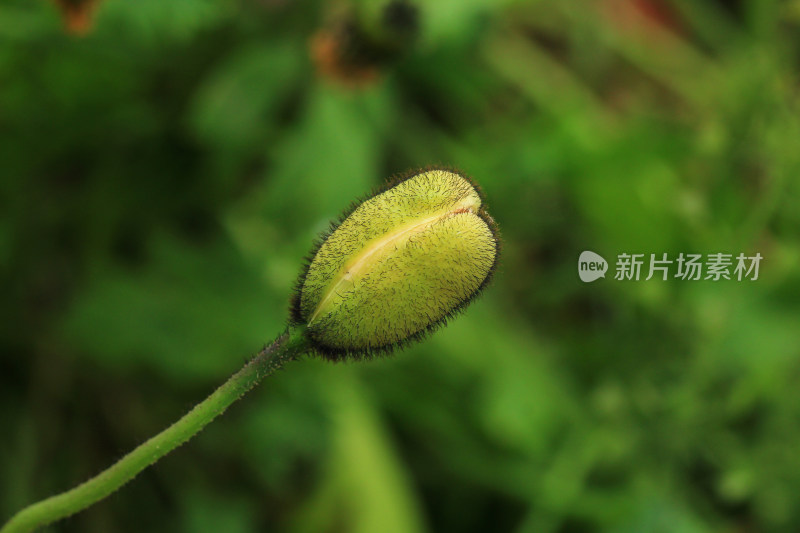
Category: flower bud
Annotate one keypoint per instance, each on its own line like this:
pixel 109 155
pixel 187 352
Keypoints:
pixel 397 266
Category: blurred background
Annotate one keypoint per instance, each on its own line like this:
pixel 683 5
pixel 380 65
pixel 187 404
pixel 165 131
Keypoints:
pixel 165 166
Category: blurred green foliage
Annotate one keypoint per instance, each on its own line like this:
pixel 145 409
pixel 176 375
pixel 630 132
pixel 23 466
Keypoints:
pixel 163 176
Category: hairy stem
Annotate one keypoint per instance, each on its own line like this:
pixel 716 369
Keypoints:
pixel 287 347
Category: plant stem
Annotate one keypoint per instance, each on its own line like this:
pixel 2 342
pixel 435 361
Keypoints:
pixel 287 347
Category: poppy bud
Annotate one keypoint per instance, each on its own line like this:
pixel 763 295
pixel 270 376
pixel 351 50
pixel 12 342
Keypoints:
pixel 397 266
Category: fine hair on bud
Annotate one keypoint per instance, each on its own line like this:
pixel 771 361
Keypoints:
pixel 396 265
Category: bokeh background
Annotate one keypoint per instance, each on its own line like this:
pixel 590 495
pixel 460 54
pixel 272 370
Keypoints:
pixel 165 167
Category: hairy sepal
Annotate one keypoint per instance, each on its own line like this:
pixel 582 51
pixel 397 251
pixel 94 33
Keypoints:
pixel 397 265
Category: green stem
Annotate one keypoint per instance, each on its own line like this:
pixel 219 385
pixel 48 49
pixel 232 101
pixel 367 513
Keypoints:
pixel 287 347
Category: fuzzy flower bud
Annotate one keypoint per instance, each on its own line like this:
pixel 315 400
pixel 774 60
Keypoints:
pixel 397 266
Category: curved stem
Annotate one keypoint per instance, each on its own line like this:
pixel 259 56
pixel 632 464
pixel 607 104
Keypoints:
pixel 287 347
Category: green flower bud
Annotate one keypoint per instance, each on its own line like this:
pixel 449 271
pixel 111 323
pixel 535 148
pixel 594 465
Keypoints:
pixel 397 266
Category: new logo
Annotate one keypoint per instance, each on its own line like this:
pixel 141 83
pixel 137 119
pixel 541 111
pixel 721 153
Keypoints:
pixel 591 266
